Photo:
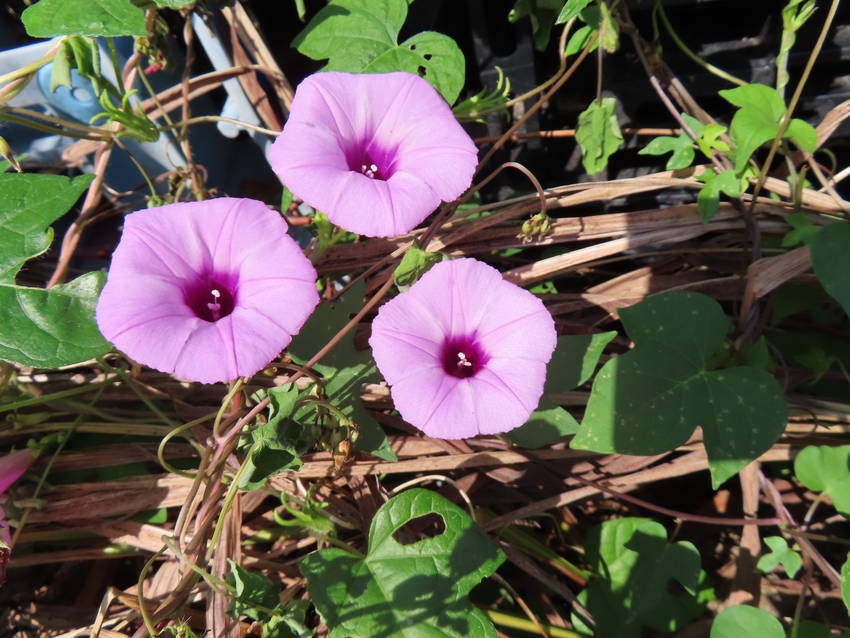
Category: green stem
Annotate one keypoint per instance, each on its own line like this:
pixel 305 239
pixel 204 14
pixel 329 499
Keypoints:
pixel 43 479
pixel 46 398
pixel 160 452
pixel 123 429
pixel 786 120
pixel 542 87
pixel 25 70
pixel 140 589
pixel 138 166
pixel 216 583
pixel 524 624
pixel 232 490
pixel 122 374
pixel 531 545
pixel 50 130
pixel 693 56
pixel 219 118
pixel 228 399
pixel 56 121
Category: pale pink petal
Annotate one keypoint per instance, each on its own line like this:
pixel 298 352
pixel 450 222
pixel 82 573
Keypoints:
pixel 421 396
pixel 464 351
pixel 465 288
pixel 342 124
pixel 394 206
pixel 209 291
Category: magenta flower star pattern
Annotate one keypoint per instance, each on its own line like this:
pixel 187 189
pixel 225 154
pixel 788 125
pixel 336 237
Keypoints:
pixel 209 291
pixel 375 152
pixel 464 351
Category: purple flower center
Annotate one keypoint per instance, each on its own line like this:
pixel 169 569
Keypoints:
pixel 371 160
pixel 211 297
pixel 463 357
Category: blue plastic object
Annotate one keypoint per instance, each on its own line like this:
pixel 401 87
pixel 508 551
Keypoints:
pixel 79 102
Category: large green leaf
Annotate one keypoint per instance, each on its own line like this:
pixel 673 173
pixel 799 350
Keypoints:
pixel 825 468
pixel 598 134
pixel 831 261
pixel 743 620
pixel 649 400
pixel 51 328
pixel 757 121
pixel 42 328
pixel 28 205
pixel 48 18
pixel 406 590
pixel 634 565
pixel 361 36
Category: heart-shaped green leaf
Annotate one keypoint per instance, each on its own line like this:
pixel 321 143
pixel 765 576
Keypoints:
pixel 38 327
pixel 406 590
pixel 635 566
pixel 361 36
pixel 649 400
pixel 48 18
pixel 825 468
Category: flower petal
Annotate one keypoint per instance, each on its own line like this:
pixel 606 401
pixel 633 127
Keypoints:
pixel 425 153
pixel 421 397
pixel 168 254
pixel 509 333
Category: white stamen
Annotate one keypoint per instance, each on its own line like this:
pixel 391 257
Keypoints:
pixel 463 362
pixel 215 307
pixel 369 171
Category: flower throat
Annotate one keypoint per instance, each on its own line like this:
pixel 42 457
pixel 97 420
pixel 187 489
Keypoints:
pixel 210 299
pixel 371 161
pixel 463 357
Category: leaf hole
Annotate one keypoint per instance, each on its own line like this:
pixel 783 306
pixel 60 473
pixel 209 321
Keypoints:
pixel 420 528
pixel 413 47
pixel 427 56
pixel 421 71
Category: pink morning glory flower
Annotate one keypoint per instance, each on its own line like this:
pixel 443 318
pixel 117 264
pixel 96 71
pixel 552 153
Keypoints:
pixel 209 291
pixel 375 152
pixel 464 351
